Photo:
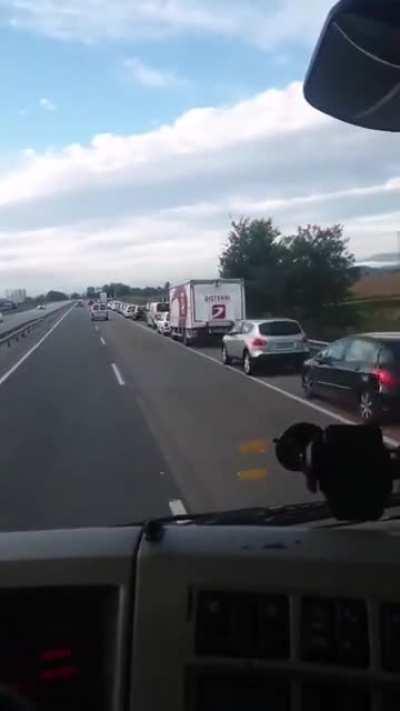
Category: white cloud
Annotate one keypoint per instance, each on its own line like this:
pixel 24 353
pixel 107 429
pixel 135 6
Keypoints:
pixel 47 104
pixel 264 23
pixel 151 77
pixel 156 206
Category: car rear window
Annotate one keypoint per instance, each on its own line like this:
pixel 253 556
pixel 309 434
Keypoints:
pixel 390 354
pixel 280 328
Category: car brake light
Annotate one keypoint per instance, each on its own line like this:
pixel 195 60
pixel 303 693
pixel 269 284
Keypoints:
pixel 386 378
pixel 259 342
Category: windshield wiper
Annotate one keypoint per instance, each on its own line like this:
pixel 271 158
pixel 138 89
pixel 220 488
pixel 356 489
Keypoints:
pixel 258 516
pixel 289 515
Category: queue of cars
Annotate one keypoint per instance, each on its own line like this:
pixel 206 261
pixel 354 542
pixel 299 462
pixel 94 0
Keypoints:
pixel 132 311
pixel 360 372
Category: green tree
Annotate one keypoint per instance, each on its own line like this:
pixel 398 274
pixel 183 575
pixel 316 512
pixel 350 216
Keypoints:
pixel 116 289
pixel 75 295
pixel 56 296
pixel 307 275
pixel 255 252
pixel 319 269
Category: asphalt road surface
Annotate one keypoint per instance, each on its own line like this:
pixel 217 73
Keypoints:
pixel 108 422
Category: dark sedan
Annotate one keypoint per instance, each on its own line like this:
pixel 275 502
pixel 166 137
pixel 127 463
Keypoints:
pixel 362 372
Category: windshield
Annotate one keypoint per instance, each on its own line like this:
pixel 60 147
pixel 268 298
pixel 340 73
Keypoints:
pixel 161 166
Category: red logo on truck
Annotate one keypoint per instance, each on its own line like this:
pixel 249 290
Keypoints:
pixel 218 311
pixel 180 295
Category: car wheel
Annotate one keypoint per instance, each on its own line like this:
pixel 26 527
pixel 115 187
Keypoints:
pixel 225 357
pixel 308 386
pixel 248 363
pixel 186 340
pixel 369 408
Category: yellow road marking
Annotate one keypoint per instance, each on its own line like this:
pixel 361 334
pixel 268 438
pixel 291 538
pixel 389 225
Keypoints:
pixel 254 446
pixel 253 474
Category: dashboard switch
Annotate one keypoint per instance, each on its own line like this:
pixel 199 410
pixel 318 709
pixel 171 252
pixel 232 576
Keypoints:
pixel 214 624
pixel 317 630
pixel 351 632
pixel 335 631
pixel 273 627
pixel 236 624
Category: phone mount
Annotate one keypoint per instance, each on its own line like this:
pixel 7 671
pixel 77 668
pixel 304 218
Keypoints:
pixel 349 464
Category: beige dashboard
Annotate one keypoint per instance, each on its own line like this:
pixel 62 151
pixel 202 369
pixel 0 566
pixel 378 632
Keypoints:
pixel 207 618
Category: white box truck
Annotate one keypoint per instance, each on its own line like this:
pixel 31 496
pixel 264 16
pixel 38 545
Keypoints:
pixel 202 308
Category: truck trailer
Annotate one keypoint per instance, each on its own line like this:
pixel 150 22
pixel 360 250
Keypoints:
pixel 203 309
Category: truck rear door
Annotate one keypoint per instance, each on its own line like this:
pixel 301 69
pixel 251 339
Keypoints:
pixel 218 304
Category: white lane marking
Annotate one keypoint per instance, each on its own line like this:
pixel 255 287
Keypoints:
pixel 34 348
pixel 96 328
pixel 117 374
pixel 291 396
pixel 177 507
pixel 103 341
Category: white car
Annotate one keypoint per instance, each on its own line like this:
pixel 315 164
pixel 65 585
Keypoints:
pixel 163 324
pixel 41 307
pixel 130 311
pixel 265 342
pixel 99 312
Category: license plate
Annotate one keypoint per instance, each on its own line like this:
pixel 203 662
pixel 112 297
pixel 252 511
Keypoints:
pixel 284 346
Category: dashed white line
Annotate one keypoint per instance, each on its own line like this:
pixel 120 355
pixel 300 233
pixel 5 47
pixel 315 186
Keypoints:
pixel 96 328
pixel 34 348
pixel 103 341
pixel 117 374
pixel 177 507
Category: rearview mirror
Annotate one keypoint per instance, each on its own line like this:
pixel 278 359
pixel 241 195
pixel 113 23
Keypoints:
pixel 354 74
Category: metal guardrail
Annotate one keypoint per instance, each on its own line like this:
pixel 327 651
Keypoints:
pixel 26 328
pixel 317 345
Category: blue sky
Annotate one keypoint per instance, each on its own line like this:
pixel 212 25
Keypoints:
pixel 132 130
pixel 93 90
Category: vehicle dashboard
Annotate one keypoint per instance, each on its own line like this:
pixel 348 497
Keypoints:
pixel 205 618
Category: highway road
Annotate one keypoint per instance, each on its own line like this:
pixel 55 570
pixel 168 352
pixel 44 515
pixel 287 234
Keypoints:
pixel 14 319
pixel 108 423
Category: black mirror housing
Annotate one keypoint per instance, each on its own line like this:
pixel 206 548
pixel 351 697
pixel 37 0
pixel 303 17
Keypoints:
pixel 354 74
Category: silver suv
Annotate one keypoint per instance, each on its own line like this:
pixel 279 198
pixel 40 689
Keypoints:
pixel 265 341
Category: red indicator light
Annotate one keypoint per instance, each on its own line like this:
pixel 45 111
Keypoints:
pixel 54 655
pixel 61 674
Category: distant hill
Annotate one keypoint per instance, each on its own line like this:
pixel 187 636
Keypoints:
pixel 383 260
pixel 378 283
pixel 392 257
